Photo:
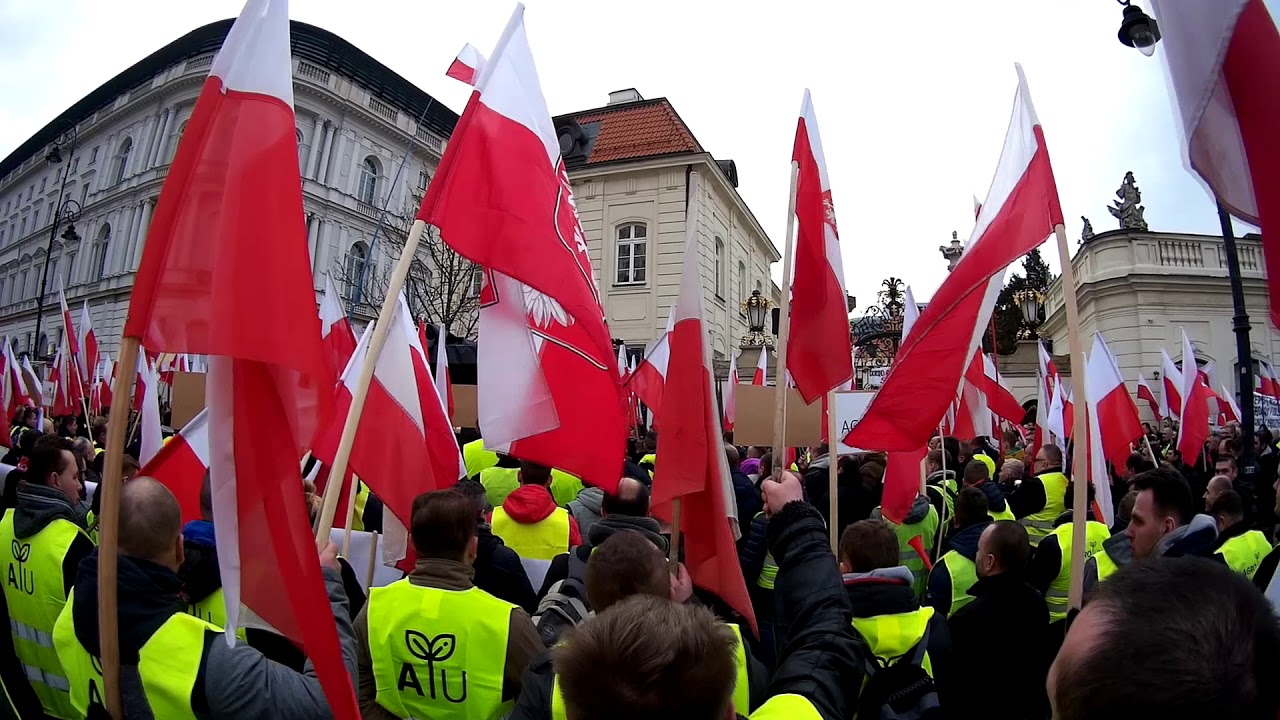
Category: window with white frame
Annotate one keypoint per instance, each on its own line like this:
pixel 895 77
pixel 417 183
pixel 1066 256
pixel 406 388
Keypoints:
pixel 477 281
pixel 99 267
pixel 93 155
pixel 22 284
pixel 122 161
pixel 71 264
pixel 368 189
pixel 633 247
pixel 355 262
pixel 740 290
pixel 719 286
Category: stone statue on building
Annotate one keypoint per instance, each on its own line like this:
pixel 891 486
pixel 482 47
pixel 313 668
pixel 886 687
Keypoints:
pixel 1087 233
pixel 1127 209
pixel 952 252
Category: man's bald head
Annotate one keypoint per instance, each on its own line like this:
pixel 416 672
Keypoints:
pixel 731 453
pixel 1218 485
pixel 150 523
pixel 632 498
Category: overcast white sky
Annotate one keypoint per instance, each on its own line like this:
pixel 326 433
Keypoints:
pixel 912 98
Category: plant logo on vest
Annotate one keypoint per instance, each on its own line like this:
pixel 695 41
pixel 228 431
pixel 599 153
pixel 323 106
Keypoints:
pixel 95 695
pixel 24 579
pixel 430 650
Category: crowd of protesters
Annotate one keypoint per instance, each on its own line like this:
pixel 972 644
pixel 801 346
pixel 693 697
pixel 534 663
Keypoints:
pixel 534 597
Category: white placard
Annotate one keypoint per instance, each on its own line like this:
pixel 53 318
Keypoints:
pixel 875 377
pixel 361 546
pixel 850 407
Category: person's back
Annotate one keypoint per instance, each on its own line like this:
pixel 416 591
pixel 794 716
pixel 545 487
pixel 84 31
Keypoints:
pixel 498 570
pixel 172 663
pixel 531 524
pixel 47 541
pixel 420 637
pixel 1038 502
pixel 917 534
pixel 1241 548
pixel 955 573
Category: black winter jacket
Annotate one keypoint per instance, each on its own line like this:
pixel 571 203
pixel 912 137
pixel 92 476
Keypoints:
pixel 499 572
pixel 1003 633
pixel 963 541
pixel 854 500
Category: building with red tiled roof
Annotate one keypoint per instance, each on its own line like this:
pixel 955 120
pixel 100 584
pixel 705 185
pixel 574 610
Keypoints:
pixel 629 163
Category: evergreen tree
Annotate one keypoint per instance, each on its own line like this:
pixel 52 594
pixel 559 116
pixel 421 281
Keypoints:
pixel 1007 315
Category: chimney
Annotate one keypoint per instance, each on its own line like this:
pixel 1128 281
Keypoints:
pixel 618 97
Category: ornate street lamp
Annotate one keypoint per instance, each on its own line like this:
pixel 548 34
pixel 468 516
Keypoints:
pixel 67 212
pixel 757 309
pixel 1138 30
pixel 1030 303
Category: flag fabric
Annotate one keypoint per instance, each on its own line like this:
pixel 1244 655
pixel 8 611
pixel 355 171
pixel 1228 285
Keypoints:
pixel 234 193
pixel 336 335
pixel 88 344
pixel 73 342
pixel 548 386
pixel 910 311
pixel 1112 410
pixel 1229 406
pixel 150 434
pixel 902 483
pixel 1020 212
pixel 467 66
pixel 691 462
pixel 649 379
pixel 181 464
pixel 1103 507
pixel 1057 415
pixel 819 354
pixel 140 383
pixel 1145 393
pixel 731 394
pixel 403 426
pixel 1193 426
pixel 1265 384
pixel 31 381
pixel 1220 58
pixel 106 378
pixel 15 386
pixel 444 385
pixel 1171 385
pixel 759 377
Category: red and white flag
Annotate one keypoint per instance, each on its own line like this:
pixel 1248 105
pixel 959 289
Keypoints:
pixel 649 379
pixel 1228 405
pixel 1021 210
pixel 16 393
pixel 467 66
pixel 548 382
pixel 691 460
pixel 819 355
pixel 1221 58
pixel 1145 393
pixel 150 434
pixel 72 340
pixel 336 335
pixel 31 381
pixel 181 464
pixel 1265 385
pixel 731 394
pixel 234 192
pixel 444 385
pixel 1193 426
pixel 1103 507
pixel 759 377
pixel 88 359
pixel 1110 405
pixel 403 426
pixel 1171 385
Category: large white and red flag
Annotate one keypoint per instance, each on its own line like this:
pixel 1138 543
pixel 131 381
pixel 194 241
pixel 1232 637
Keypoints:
pixel 403 426
pixel 731 394
pixel 1145 393
pixel 819 355
pixel 1111 407
pixel 1170 385
pixel 1020 212
pixel 691 460
pixel 31 381
pixel 336 335
pixel 1193 424
pixel 88 359
pixel 1103 507
pixel 73 342
pixel 1221 59
pixel 649 379
pixel 548 384
pixel 1228 406
pixel 181 464
pixel 234 193
pixel 1265 385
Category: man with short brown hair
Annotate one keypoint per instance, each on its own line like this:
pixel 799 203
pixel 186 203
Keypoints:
pixel 417 637
pixel 624 565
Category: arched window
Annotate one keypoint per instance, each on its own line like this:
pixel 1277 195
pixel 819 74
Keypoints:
pixel 740 291
pixel 368 190
pixel 121 161
pixel 71 264
pixel 719 286
pixel 355 262
pixel 633 244
pixel 99 258
pixel 298 133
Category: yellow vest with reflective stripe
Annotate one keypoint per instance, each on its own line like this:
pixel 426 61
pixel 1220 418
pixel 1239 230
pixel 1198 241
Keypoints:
pixel 35 593
pixel 787 707
pixel 768 572
pixel 927 529
pixel 543 540
pixel 438 654
pixel 1106 566
pixel 1244 553
pixel 499 482
pixel 1040 524
pixel 476 458
pixel 1006 514
pixel 169 664
pixel 362 499
pixel 564 487
pixel 1095 533
pixel 892 636
pixel 213 610
pixel 741 688
pixel 963 574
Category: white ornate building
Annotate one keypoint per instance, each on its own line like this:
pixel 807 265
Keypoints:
pixel 355 119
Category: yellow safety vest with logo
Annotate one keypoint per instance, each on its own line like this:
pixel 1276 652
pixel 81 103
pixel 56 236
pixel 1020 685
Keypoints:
pixel 476 458
pixel 35 593
pixel 892 636
pixel 1040 524
pixel 169 664
pixel 543 540
pixel 1095 533
pixel 787 707
pixel 438 653
pixel 1106 566
pixel 1244 553
pixel 963 574
pixel 499 482
pixel 564 487
pixel 741 688
pixel 213 610
pixel 927 529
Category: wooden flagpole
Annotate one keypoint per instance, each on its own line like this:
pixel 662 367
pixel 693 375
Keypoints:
pixel 361 390
pixel 373 561
pixel 1150 451
pixel 833 471
pixel 1079 433
pixel 942 522
pixel 784 326
pixel 351 515
pixel 108 531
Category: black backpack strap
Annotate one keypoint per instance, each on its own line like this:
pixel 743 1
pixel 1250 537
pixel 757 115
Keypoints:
pixel 918 652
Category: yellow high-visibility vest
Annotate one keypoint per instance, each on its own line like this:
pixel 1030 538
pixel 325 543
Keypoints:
pixel 1040 524
pixel 438 653
pixel 543 540
pixel 499 482
pixel 476 458
pixel 963 574
pixel 1095 533
pixel 564 487
pixel 891 636
pixel 787 707
pixel 1244 553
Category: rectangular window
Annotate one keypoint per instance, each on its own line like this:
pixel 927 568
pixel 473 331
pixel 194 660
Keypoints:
pixel 71 264
pixel 633 243
pixel 31 191
pixel 719 277
pixel 84 193
pixel 75 165
pixel 741 288
pixel 477 281
pixel 23 228
pixel 93 155
pixel 42 184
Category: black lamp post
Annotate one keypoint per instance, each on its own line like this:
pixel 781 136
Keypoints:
pixel 1138 30
pixel 68 211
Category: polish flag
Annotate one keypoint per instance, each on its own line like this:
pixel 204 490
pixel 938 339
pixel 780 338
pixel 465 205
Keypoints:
pixel 181 464
pixel 649 379
pixel 819 354
pixel 336 335
pixel 622 363
pixel 902 469
pixel 1266 382
pixel 403 426
pixel 973 416
pixel 1220 58
pixel 1111 407
pixel 691 460
pixel 234 192
pixel 1228 405
pixel 731 394
pixel 982 375
pixel 106 376
pixel 88 359
pixel 140 383
pixel 467 66
pixel 1193 428
pixel 758 378
pixel 548 381
pixel 149 423
pixel 1171 385
pixel 1145 393
pixel 14 385
pixel 444 385
pixel 31 381
pixel 1021 210
pixel 910 311
pixel 1103 507
pixel 72 340
pixel 1057 415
